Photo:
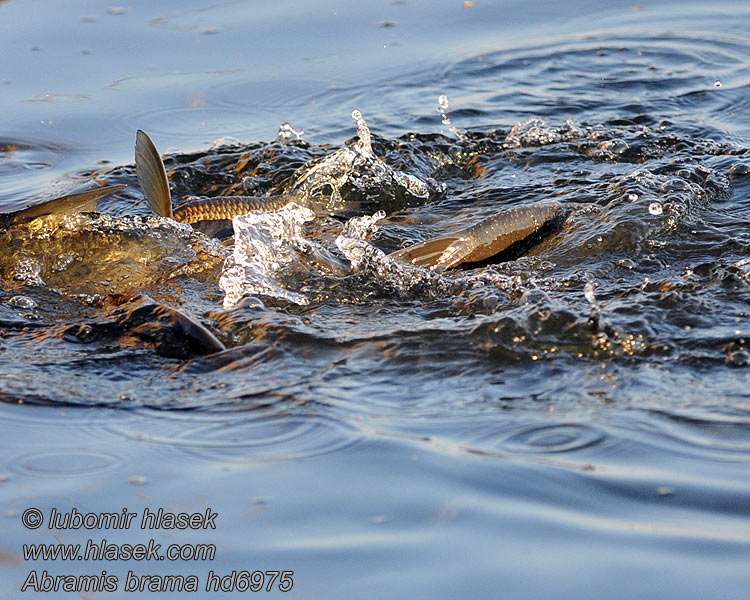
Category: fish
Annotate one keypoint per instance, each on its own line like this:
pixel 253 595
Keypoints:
pixel 501 237
pixel 139 321
pixel 210 215
pixel 71 204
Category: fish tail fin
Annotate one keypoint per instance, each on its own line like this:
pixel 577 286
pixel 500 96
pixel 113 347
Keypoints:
pixel 149 168
pixel 70 204
pixel 427 254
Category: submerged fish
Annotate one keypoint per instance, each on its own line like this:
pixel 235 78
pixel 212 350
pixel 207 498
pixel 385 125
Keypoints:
pixel 140 320
pixel 70 204
pixel 504 236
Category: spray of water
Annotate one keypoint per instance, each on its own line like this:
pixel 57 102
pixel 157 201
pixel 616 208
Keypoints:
pixel 264 243
pixel 442 108
pixel 287 132
pixel 356 165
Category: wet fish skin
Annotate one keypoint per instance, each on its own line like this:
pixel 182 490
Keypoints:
pixel 510 232
pixel 227 207
pixel 152 177
pixel 71 204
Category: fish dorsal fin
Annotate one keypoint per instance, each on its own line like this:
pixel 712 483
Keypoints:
pixel 72 203
pixel 149 168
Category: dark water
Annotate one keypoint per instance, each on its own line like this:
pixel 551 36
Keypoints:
pixel 574 424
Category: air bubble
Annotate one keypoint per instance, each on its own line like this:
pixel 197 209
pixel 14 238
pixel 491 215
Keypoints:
pixel 22 302
pixel 655 208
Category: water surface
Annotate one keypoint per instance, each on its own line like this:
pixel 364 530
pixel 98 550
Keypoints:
pixel 573 423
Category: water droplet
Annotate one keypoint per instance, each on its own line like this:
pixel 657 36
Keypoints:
pixel 655 208
pixel 718 84
pixel 442 108
pixel 632 197
pixel 138 480
pixel 287 132
pixel 588 293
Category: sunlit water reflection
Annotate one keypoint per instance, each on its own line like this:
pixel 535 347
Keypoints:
pixel 573 423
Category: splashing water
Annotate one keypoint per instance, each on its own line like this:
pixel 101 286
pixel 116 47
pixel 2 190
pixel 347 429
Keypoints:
pixel 352 239
pixel 535 132
pixel 355 165
pixel 287 132
pixel 442 108
pixel 363 133
pixel 265 242
pixel 380 272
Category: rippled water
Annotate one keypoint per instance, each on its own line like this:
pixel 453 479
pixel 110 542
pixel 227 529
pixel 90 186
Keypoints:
pixel 574 423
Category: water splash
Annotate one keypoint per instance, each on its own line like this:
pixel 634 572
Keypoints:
pixel 380 273
pixel 363 133
pixel 442 108
pixel 264 243
pixel 225 142
pixel 358 167
pixel 535 132
pixel 352 239
pixel 287 132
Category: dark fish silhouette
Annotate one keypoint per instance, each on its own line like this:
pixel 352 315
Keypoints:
pixel 140 321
